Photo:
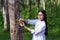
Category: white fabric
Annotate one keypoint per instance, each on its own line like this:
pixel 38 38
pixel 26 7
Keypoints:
pixel 32 31
pixel 39 31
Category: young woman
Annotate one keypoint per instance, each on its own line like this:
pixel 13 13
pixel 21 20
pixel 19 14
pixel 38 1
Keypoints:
pixel 40 26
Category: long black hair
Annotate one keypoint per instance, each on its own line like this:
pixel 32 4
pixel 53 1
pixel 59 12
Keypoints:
pixel 45 19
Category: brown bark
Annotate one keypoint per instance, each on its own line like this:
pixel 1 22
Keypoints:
pixel 16 32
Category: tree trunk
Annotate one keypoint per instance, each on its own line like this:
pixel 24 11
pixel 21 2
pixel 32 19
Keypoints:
pixel 16 32
pixel 51 6
pixel 5 14
pixel 29 7
pixel 37 4
pixel 44 4
pixel 27 2
pixel 55 5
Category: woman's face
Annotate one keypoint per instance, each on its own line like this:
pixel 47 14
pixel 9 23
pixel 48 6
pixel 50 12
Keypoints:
pixel 40 16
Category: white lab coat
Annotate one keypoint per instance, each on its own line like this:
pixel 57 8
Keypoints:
pixel 39 31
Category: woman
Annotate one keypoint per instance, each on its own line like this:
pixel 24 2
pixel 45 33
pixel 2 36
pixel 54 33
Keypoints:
pixel 40 26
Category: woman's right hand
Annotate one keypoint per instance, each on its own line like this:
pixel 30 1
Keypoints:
pixel 24 20
pixel 21 19
pixel 21 23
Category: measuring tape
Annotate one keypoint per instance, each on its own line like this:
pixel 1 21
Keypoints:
pixel 21 23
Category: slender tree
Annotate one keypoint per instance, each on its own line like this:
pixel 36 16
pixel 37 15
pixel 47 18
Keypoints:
pixel 16 32
pixel 37 4
pixel 43 2
pixel 27 2
pixel 5 13
pixel 50 6
pixel 55 4
pixel 0 2
pixel 29 7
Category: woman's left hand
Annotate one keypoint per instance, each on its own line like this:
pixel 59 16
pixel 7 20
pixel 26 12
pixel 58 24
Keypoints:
pixel 21 23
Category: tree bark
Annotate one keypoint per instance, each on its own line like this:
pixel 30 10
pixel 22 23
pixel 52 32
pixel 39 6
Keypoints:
pixel 37 4
pixel 43 4
pixel 29 7
pixel 16 32
pixel 5 14
pixel 51 6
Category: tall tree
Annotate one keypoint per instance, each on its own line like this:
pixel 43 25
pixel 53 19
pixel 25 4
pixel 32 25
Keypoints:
pixel 29 7
pixel 52 6
pixel 16 32
pixel 27 2
pixel 55 5
pixel 37 4
pixel 43 4
pixel 0 2
pixel 5 13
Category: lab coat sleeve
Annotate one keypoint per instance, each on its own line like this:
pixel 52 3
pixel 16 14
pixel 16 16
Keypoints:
pixel 40 29
pixel 33 22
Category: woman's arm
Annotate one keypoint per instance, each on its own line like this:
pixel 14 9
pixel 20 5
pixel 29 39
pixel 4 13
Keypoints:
pixel 28 21
pixel 27 28
pixel 22 24
pixel 33 22
pixel 30 30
